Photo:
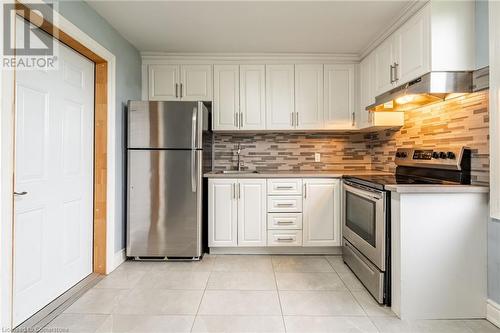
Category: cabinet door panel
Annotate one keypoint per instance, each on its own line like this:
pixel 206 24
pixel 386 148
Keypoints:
pixel 367 97
pixel 252 97
pixel 196 82
pixel 222 213
pixel 252 212
pixel 339 97
pixel 413 56
pixel 163 81
pixel 279 96
pixel 226 97
pixel 321 215
pixel 309 96
pixel 384 59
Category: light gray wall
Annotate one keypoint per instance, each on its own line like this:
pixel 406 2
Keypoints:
pixel 482 42
pixel 128 85
pixel 494 260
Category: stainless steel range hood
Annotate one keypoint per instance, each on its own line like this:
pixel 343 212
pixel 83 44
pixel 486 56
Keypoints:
pixel 429 88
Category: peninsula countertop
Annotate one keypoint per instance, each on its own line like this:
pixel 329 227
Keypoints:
pixel 431 188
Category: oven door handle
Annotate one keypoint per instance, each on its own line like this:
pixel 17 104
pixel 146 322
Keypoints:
pixel 365 193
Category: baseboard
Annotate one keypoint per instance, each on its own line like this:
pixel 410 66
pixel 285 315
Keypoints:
pixel 331 250
pixel 40 319
pixel 120 257
pixel 493 312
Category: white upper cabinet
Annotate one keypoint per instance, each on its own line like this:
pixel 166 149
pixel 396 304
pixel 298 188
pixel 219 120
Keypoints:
pixel 452 35
pixel 180 82
pixel 309 97
pixel 413 48
pixel 252 217
pixel 439 37
pixel 253 97
pixel 280 106
pixel 196 83
pixel 366 89
pixel 321 214
pixel 367 97
pixel 385 63
pixel 339 97
pixel 163 82
pixel 226 104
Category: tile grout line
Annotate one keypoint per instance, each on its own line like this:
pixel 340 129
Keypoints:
pixel 278 293
pixel 203 295
pixel 355 299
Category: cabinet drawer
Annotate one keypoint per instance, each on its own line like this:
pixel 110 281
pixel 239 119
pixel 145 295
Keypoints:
pixel 284 186
pixel 279 204
pixel 284 221
pixel 284 237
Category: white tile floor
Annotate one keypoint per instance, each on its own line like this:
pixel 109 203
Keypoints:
pixel 240 294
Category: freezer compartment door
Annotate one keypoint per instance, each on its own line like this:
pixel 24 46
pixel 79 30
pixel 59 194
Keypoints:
pixel 164 206
pixel 165 125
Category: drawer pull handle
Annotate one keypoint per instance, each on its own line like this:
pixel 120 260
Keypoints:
pixel 284 222
pixel 284 187
pixel 288 239
pixel 284 205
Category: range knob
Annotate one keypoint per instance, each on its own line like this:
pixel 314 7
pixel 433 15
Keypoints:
pixel 450 155
pixel 442 155
pixel 435 154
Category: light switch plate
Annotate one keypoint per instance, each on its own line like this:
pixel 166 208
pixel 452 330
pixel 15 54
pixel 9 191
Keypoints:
pixel 317 157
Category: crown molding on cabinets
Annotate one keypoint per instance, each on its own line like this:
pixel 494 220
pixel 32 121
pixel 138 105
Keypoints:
pixel 405 14
pixel 239 58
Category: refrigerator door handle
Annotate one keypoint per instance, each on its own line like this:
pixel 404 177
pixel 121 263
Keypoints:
pixel 194 128
pixel 193 171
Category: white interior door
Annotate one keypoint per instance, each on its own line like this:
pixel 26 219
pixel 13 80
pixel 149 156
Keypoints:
pixel 54 166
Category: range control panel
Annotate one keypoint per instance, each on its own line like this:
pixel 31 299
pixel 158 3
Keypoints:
pixel 441 158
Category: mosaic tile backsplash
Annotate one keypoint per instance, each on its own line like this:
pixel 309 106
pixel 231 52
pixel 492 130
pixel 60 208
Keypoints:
pixel 457 122
pixel 462 121
pixel 292 151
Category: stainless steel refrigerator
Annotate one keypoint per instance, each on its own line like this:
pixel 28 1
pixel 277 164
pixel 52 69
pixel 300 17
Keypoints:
pixel 168 150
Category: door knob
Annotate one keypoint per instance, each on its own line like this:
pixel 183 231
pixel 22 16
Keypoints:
pixel 20 193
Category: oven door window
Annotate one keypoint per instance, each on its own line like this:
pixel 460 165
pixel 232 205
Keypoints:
pixel 361 217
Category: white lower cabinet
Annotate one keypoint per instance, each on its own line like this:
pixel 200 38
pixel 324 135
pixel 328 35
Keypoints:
pixel 284 237
pixel 251 212
pixel 237 212
pixel 284 221
pixel 274 212
pixel 222 213
pixel 321 214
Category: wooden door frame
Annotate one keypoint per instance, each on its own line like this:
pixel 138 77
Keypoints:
pixel 104 257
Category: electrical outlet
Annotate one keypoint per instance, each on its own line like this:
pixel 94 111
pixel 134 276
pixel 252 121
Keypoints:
pixel 317 157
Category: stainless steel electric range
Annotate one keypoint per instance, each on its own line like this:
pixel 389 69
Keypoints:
pixel 367 212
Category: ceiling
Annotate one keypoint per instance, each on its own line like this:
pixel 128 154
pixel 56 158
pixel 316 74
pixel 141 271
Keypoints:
pixel 251 26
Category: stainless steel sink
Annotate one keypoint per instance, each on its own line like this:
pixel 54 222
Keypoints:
pixel 240 172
